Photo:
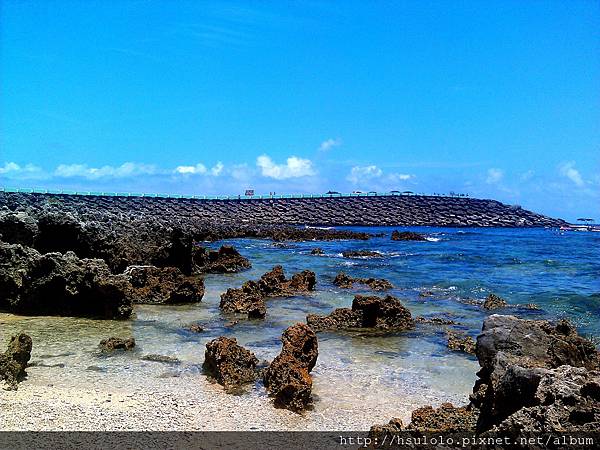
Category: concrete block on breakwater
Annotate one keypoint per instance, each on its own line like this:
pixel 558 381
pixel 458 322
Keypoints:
pixel 388 210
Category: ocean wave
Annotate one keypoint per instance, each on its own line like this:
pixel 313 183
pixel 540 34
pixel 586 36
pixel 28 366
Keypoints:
pixel 433 239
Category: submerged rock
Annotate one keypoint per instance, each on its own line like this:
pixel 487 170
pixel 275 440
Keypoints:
pixel 407 236
pixel 225 260
pixel 361 254
pixel 114 343
pixel 287 378
pixel 461 342
pixel 435 320
pixel 425 294
pixel 317 251
pixel 161 359
pixel 250 298
pixel 57 284
pixel 346 282
pixel 367 312
pixel 230 364
pixel 14 361
pixel 196 328
pixel 164 285
pixel 515 355
pixel 494 302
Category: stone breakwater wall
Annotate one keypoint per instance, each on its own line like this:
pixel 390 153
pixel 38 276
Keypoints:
pixel 373 210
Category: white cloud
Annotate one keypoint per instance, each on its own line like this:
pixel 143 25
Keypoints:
pixel 198 169
pixel 569 171
pixel 10 167
pixel 363 173
pixel 329 144
pixel 14 170
pixel 494 176
pixel 127 169
pixel 217 169
pixel 526 176
pixel 295 167
pixel 240 172
pixel 400 177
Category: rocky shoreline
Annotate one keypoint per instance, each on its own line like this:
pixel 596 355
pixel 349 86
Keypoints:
pixel 85 262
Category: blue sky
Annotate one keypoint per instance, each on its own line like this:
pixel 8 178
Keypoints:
pixel 498 99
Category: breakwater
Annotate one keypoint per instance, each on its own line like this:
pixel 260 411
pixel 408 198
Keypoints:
pixel 388 210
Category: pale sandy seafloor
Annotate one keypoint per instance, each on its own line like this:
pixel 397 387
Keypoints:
pixel 49 402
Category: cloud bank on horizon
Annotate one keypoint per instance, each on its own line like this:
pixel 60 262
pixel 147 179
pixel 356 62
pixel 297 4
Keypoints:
pixel 300 175
pixel 214 98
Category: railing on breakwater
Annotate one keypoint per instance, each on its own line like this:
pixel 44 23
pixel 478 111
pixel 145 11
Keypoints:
pixel 220 197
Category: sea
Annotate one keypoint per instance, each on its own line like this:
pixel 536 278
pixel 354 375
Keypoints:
pixel 448 275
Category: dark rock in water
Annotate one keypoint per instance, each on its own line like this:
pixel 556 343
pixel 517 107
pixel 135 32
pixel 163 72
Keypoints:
pixel 14 361
pixel 361 254
pixel 288 377
pixel 17 228
pixel 317 251
pixel 164 285
pixel 530 306
pixel 301 342
pixel 275 284
pixel 247 299
pixel 250 298
pixel 445 419
pixel 407 236
pixel 41 364
pixel 435 320
pixel 515 355
pixel 226 260
pixel 230 364
pixel 281 245
pixel 196 328
pixel 57 284
pixel 367 312
pixel 494 302
pixel 346 282
pixel 289 383
pixel 426 294
pixel 161 358
pixel 114 343
pixel 315 234
pixel 461 343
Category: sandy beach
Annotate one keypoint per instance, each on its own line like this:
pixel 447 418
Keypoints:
pixel 48 401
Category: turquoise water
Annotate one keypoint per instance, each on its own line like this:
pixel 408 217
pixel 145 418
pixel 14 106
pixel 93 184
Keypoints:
pixel 557 271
